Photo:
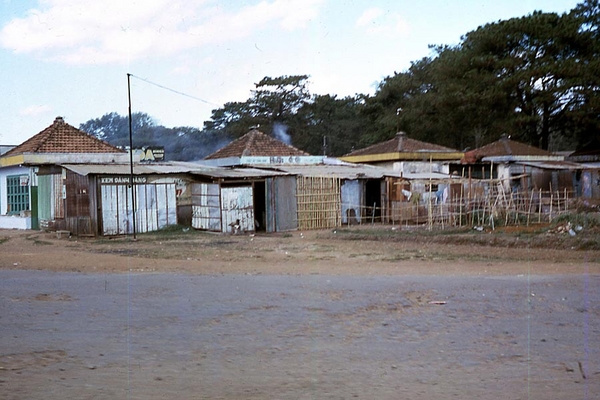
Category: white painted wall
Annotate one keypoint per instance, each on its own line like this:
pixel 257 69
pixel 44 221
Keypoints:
pixel 416 167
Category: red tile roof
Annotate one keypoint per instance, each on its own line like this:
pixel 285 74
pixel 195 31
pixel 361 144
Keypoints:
pixel 504 147
pixel 61 137
pixel 256 144
pixel 401 144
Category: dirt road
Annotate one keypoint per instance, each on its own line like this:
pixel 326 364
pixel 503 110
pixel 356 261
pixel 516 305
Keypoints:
pixel 296 316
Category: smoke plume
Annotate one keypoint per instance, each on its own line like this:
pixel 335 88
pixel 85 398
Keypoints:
pixel 280 133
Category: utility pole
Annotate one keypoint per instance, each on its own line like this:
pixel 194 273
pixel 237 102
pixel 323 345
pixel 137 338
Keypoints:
pixel 131 183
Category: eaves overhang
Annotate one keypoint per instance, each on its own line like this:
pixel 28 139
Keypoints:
pixel 10 161
pixel 520 158
pixel 33 159
pixel 402 156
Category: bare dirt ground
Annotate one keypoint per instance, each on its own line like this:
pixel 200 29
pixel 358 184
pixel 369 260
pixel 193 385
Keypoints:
pixel 360 312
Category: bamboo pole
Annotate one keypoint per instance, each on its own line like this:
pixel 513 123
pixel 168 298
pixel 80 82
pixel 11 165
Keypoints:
pixel 540 207
pixel 529 210
pixel 551 204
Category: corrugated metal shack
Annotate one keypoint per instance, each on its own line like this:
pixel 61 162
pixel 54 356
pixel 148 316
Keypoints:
pixel 240 200
pixel 91 199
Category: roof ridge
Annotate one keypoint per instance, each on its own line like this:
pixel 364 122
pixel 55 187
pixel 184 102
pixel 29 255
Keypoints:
pixel 507 147
pixel 250 142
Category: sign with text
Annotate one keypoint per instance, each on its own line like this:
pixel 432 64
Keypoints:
pixel 151 154
pixel 122 180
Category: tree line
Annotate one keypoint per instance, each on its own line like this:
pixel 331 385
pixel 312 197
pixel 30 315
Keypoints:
pixel 535 78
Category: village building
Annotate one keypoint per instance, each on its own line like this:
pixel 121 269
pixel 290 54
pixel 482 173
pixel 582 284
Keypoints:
pixel 406 155
pixel 33 191
pixel 519 167
pixel 170 193
pixel 424 170
pixel 315 192
pixel 63 179
pixel 587 179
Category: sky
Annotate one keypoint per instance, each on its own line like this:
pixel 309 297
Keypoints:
pixel 71 58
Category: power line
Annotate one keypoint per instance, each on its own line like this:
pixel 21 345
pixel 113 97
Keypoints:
pixel 175 91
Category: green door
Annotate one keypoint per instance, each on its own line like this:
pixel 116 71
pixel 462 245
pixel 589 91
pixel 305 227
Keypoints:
pixel 35 222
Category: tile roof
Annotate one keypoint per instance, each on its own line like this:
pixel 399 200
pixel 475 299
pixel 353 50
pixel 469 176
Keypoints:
pixel 61 137
pixel 504 147
pixel 256 144
pixel 401 144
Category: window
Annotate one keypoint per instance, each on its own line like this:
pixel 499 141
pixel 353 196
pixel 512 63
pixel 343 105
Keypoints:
pixel 17 190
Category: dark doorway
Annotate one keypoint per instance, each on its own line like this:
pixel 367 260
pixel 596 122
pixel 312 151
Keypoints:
pixel 260 207
pixel 373 200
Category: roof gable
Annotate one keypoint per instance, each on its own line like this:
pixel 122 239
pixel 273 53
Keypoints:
pixel 61 137
pixel 401 144
pixel 504 147
pixel 256 144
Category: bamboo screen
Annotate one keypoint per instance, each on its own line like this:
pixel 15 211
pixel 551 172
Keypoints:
pixel 319 202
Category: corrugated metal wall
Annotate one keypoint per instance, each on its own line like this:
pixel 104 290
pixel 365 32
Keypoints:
pixel 282 208
pixel 237 204
pixel 206 207
pixel 156 208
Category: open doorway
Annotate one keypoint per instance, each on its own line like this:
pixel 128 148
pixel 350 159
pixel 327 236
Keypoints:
pixel 373 200
pixel 260 207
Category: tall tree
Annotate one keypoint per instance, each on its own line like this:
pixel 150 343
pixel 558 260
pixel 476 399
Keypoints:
pixel 332 126
pixel 114 128
pixel 273 102
pixel 534 77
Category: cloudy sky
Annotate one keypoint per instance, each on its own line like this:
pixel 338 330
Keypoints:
pixel 70 58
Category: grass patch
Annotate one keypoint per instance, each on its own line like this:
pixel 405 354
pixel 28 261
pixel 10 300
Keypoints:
pixel 4 240
pixel 585 220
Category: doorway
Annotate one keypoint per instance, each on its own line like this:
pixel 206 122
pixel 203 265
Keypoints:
pixel 260 207
pixel 373 200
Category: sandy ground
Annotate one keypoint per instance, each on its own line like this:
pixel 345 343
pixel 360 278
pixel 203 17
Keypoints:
pixel 328 315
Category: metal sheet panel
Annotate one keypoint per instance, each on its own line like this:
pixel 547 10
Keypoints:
pixel 237 204
pixel 169 168
pixel 286 207
pixel 156 208
pixel 206 207
pixel 115 209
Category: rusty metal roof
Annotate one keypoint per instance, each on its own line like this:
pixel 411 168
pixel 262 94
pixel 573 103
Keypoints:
pixel 343 171
pixel 170 168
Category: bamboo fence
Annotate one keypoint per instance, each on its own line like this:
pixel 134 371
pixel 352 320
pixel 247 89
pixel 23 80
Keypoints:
pixel 319 202
pixel 494 207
